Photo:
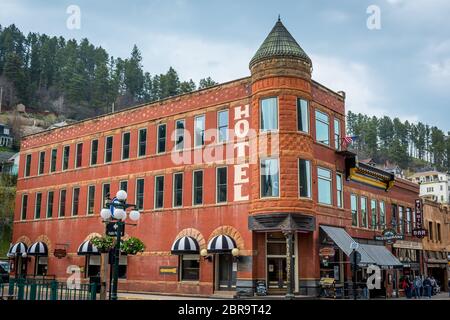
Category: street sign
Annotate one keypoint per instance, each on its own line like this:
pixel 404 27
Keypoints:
pixel 112 228
pixel 354 245
pixel 355 258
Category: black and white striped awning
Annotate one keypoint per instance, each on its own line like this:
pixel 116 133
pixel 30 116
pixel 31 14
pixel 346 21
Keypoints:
pixel 38 249
pixel 87 248
pixel 17 249
pixel 185 245
pixel 221 244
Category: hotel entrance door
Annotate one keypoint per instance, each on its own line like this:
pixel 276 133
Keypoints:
pixel 227 272
pixel 276 273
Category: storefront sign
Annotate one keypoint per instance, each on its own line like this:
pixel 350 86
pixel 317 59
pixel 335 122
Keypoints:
pixel 419 214
pixel 111 229
pixel 168 270
pixel 419 233
pixel 60 253
pixel 389 236
pixel 327 252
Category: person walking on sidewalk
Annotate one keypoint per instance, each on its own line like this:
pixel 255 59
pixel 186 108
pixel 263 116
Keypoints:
pixel 417 287
pixel 427 287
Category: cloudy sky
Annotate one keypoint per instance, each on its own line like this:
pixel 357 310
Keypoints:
pixel 401 70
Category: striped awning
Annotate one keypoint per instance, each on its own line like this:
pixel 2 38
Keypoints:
pixel 18 249
pixel 185 245
pixel 87 248
pixel 38 249
pixel 221 244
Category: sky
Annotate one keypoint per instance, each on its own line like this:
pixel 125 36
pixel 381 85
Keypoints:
pixel 401 69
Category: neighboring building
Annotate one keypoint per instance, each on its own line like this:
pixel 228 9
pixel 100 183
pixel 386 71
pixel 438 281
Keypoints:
pixel 433 184
pixel 436 244
pixel 228 179
pixel 6 139
pixel 7 162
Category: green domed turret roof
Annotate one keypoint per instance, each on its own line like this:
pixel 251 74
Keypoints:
pixel 279 43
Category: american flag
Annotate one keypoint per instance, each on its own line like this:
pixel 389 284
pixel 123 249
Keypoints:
pixel 348 140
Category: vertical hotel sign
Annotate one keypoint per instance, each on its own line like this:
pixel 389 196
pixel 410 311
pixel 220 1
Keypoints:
pixel 419 231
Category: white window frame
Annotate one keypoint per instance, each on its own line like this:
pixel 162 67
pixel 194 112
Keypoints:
pixel 193 188
pixel 328 143
pixel 139 142
pixel 279 176
pixel 136 193
pixel 90 154
pixel 39 164
pixel 154 191
pixel 51 160
pixel 176 134
pixel 62 158
pixel 173 189
pixel 357 209
pixel 331 185
pixel 73 198
pixel 47 203
pixel 157 139
pixel 278 114
pixel 218 125
pixel 35 207
pixel 87 200
pixel 195 130
pixel 310 179
pixel 22 205
pixel 122 146
pixel 340 194
pixel 106 148
pixel 217 185
pixel 307 115
pixel 59 203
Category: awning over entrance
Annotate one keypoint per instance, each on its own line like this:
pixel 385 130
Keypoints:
pixel 38 249
pixel 17 249
pixel 370 254
pixel 380 256
pixel 185 245
pixel 87 248
pixel 340 237
pixel 221 244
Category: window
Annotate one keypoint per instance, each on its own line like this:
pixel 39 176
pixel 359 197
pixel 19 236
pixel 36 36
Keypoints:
pixel 161 138
pixel 408 220
pixel 66 153
pixel 75 201
pixel 41 265
pixel 339 190
pixel 222 125
pixel 142 143
pixel 394 215
pixel 24 207
pixel 28 165
pixel 221 181
pixel 123 185
pixel 269 178
pixel 382 214
pixel 304 178
pixel 324 186
pixel 337 134
pixel 354 208
pixel 322 128
pixel 178 189
pixel 302 115
pixel 50 198
pixel 140 194
pixel 41 162
pixel 430 231
pixel 106 193
pixel 401 221
pixel 37 209
pixel 374 214
pixel 53 160
pixel 108 149
pixel 62 203
pixel 94 152
pixel 91 200
pixel 79 155
pixel 190 267
pixel 179 135
pixel 364 219
pixel 159 192
pixel 438 232
pixel 198 188
pixel 126 146
pixel 199 134
pixel 269 114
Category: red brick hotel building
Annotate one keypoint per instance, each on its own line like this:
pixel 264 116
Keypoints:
pixel 256 165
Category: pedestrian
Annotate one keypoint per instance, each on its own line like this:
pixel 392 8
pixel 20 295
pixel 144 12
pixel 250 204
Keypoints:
pixel 406 285
pixel 433 285
pixel 365 290
pixel 427 287
pixel 418 287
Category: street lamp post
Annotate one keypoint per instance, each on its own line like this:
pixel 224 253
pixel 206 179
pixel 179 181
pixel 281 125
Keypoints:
pixel 116 213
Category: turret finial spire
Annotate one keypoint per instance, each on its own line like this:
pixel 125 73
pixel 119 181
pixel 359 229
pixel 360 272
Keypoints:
pixel 279 17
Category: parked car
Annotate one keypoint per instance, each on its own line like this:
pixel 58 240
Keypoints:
pixel 4 271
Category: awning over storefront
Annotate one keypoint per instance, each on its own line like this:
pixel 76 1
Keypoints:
pixel 87 248
pixel 380 256
pixel 370 254
pixel 342 239
pixel 185 245
pixel 17 249
pixel 38 249
pixel 221 244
